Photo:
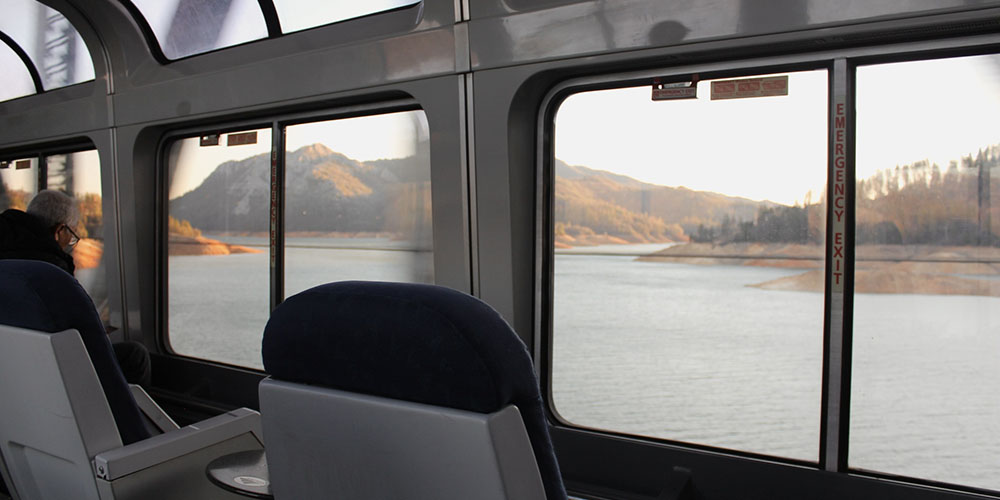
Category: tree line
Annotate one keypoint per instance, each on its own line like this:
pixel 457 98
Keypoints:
pixel 917 203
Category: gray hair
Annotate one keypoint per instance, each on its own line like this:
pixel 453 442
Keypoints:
pixel 54 208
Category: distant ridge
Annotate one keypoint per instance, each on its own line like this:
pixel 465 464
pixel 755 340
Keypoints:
pixel 328 191
pixel 325 191
pixel 596 207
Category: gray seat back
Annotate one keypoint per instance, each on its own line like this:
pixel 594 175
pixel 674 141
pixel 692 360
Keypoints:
pixel 327 443
pixel 54 417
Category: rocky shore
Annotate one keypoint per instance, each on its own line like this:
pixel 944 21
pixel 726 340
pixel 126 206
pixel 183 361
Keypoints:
pixel 199 245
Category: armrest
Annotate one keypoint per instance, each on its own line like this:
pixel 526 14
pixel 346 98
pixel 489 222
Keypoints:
pixel 157 417
pixel 120 462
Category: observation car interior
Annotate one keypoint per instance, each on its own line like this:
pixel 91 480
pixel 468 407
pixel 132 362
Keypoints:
pixel 741 249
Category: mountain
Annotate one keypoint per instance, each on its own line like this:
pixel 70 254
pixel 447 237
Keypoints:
pixel 329 192
pixel 591 202
pixel 325 192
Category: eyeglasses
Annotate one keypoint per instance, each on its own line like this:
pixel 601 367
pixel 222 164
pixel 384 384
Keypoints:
pixel 74 238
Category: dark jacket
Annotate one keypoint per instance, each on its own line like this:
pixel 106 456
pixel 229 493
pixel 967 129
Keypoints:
pixel 24 236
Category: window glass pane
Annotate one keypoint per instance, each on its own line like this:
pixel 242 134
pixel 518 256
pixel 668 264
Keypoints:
pixel 218 270
pixel 17 80
pixel 296 15
pixel 188 27
pixel 52 43
pixel 924 398
pixel 18 183
pixel 358 201
pixel 79 175
pixel 688 267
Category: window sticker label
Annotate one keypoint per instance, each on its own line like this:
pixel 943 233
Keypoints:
pixel 750 87
pixel 209 140
pixel 22 164
pixel 673 91
pixel 241 139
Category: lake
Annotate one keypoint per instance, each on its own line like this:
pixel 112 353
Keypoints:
pixel 688 353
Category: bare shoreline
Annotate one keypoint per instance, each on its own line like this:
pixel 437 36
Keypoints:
pixel 886 269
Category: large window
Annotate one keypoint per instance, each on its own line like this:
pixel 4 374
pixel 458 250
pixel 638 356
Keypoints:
pixel 217 233
pixel 927 287
pixel 356 204
pixel 688 282
pixel 77 174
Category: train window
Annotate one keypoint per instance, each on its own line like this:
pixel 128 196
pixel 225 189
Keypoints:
pixel 358 201
pixel 17 81
pixel 49 40
pixel 297 15
pixel 18 182
pixel 217 231
pixel 79 175
pixel 927 286
pixel 688 264
pixel 188 27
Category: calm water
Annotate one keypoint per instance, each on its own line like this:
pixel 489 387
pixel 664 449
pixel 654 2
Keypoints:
pixel 200 287
pixel 690 353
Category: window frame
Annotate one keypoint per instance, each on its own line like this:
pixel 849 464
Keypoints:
pixel 272 23
pixel 545 218
pixel 277 123
pixel 836 381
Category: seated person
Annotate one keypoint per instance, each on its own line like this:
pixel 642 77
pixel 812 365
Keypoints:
pixel 45 232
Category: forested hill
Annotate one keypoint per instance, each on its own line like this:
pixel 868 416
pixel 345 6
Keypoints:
pixel 326 192
pixel 592 205
pixel 921 203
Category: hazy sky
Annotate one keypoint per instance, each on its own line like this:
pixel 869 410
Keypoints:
pixel 760 148
pixel 775 148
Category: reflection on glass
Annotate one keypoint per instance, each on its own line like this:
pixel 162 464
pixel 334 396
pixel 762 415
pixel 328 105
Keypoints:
pixel 297 15
pixel 17 79
pixel 18 183
pixel 927 306
pixel 79 175
pixel 188 27
pixel 51 42
pixel 688 268
pixel 358 201
pixel 217 230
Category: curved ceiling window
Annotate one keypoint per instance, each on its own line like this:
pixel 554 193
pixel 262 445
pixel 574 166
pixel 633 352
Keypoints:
pixel 17 78
pixel 51 43
pixel 297 15
pixel 188 27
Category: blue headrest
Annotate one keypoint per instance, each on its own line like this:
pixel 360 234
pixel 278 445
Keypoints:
pixel 420 343
pixel 40 296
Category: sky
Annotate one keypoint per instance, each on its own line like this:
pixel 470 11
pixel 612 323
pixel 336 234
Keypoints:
pixel 760 148
pixel 775 148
